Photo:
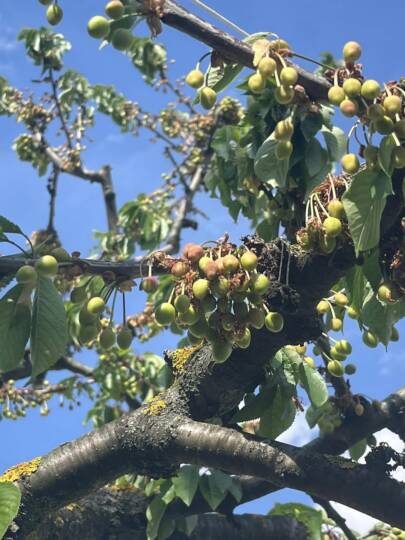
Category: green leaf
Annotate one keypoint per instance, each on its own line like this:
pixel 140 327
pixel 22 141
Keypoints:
pixel 214 487
pixel 166 528
pixel 7 226
pixel 235 489
pixel 255 406
pixel 358 449
pixel 10 498
pixel 312 415
pixel 336 142
pixel 154 515
pixel 316 157
pixel 355 283
pixel 364 203
pixel 385 148
pixel 311 124
pixel 15 321
pixel 267 165
pixel 186 483
pixel 314 384
pixel 379 317
pixel 309 517
pixel 279 416
pixel 49 336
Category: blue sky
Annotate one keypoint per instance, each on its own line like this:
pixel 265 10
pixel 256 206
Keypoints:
pixel 310 27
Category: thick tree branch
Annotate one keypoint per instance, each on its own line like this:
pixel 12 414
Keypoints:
pixel 145 444
pixel 229 47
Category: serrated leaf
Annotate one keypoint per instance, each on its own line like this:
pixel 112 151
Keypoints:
pixel 49 336
pixel 364 203
pixel 154 515
pixel 214 487
pixel 7 226
pixel 278 416
pixel 309 517
pixel 311 124
pixel 186 483
pixel 312 415
pixel 15 321
pixel 267 165
pixel 10 498
pixel 358 449
pixel 314 384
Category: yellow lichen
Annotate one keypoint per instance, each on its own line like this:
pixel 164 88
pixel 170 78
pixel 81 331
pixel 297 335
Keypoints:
pixel 156 406
pixel 73 506
pixel 343 463
pixel 130 488
pixel 22 469
pixel 180 357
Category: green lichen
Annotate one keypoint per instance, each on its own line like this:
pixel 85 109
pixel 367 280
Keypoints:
pixel 180 357
pixel 17 472
pixel 341 462
pixel 156 406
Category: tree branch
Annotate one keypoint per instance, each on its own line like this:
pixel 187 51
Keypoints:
pixel 230 48
pixel 337 518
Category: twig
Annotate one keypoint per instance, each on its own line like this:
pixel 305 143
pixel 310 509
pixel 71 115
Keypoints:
pixel 55 96
pixel 337 518
pixel 52 190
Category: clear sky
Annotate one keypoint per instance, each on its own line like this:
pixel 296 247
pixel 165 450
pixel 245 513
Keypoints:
pixel 309 26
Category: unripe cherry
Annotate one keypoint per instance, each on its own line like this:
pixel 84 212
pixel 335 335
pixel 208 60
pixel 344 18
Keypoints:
pixel 107 338
pixel 394 334
pixel 249 261
pixel 244 340
pixel 335 324
pixel 124 338
pixel 288 76
pixel 284 149
pixel 256 318
pixel 322 307
pixel 284 94
pixel 47 266
pixel 267 67
pixel 98 27
pixel 231 263
pixel 122 39
pixel 165 313
pixel 336 209
pixel 335 368
pixel 193 252
pixel 393 104
pixel 221 350
pixel 208 97
pixel 370 339
pixel 195 78
pixel 310 362
pixel 384 293
pixel 350 163
pixel 350 369
pixel 54 14
pixel 274 321
pixel 182 303
pixel 95 305
pixel 284 130
pixel 336 95
pixel 190 316
pixel 179 269
pixel 343 346
pixel 332 226
pixel 349 108
pixel 341 299
pixel 87 333
pixel 26 274
pixel 337 355
pixel 149 284
pixel 353 313
pixel 327 244
pixel 200 288
pixel 260 284
pixel 60 254
pixel 199 329
pixel 399 128
pixel 352 87
pixel 370 89
pixel 115 9
pixel 351 51
pixel 256 83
